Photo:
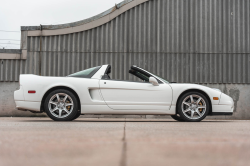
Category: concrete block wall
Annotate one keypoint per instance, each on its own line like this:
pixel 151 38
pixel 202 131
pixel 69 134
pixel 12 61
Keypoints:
pixel 7 103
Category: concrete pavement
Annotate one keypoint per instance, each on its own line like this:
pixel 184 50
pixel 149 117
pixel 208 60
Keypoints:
pixel 123 142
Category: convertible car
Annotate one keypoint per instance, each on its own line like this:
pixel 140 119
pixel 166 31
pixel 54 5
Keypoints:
pixel 92 91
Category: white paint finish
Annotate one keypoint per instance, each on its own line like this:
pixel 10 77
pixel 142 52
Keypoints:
pixel 100 72
pixel 226 100
pixel 139 106
pixel 223 108
pixel 104 109
pixel 178 89
pixel 42 84
pixel 153 81
pixel 95 95
pixel 28 105
pixel 136 95
pixel 96 109
pixel 18 94
pixel 90 25
pixel 172 110
pixel 115 97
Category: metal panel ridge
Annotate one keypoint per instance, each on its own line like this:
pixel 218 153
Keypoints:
pixel 90 23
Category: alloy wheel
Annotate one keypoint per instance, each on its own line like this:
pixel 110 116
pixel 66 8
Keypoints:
pixel 60 105
pixel 193 107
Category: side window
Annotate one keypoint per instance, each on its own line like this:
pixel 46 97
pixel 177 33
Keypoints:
pixel 141 76
pixel 88 73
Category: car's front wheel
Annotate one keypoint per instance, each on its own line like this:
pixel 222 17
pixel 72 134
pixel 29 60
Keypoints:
pixel 193 107
pixel 61 105
pixel 177 118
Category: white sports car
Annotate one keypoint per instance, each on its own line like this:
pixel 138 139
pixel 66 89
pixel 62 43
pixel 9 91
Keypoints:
pixel 92 91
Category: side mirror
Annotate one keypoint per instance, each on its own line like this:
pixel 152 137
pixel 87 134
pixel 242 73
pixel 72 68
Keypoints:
pixel 153 81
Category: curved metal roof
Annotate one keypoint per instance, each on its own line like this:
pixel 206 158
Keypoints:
pixel 90 23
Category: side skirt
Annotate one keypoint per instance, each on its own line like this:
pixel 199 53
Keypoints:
pixel 220 113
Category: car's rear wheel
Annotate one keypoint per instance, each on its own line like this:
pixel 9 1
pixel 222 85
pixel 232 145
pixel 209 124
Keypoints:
pixel 193 107
pixel 177 118
pixel 61 105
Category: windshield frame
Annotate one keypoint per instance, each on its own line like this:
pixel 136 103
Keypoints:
pixel 157 77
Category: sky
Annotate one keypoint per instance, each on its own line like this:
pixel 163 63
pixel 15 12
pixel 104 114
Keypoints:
pixel 17 13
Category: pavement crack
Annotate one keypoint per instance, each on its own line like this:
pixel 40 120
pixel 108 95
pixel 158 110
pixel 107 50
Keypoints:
pixel 124 148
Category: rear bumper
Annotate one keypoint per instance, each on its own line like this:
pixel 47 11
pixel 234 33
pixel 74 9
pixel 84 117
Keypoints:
pixel 23 105
pixel 18 94
pixel 28 105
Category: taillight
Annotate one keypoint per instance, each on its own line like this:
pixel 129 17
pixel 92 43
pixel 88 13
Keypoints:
pixel 31 91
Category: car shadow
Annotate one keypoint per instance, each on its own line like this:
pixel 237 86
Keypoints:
pixel 135 120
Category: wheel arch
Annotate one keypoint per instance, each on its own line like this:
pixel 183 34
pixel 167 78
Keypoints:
pixel 59 87
pixel 195 90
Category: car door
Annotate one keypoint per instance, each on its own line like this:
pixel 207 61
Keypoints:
pixel 126 95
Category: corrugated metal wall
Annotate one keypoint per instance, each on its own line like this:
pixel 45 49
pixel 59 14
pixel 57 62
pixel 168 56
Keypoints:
pixel 200 41
pixel 10 69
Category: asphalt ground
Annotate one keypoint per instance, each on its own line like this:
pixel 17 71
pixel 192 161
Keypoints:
pixel 123 142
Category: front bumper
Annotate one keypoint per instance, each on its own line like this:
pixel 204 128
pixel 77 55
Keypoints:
pixel 221 113
pixel 225 106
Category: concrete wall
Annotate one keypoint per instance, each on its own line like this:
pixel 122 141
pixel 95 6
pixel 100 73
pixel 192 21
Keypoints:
pixel 241 96
pixel 7 104
pixel 239 92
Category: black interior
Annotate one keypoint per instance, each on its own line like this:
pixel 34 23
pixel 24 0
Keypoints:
pixel 140 75
pixel 144 76
pixel 106 74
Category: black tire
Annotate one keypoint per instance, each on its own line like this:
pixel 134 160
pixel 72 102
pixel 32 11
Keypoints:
pixel 77 115
pixel 177 118
pixel 63 116
pixel 202 108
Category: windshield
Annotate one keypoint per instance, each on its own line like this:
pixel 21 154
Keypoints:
pixel 160 78
pixel 88 73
